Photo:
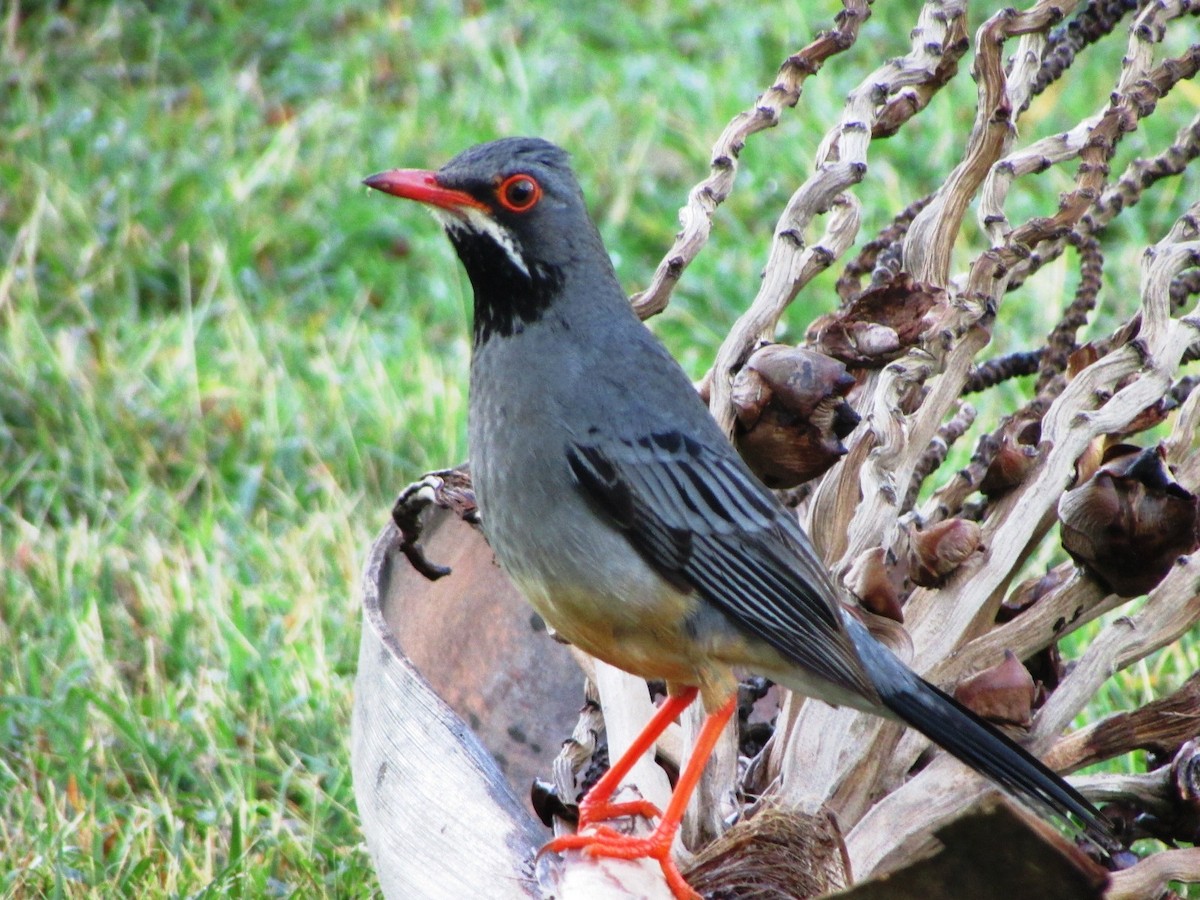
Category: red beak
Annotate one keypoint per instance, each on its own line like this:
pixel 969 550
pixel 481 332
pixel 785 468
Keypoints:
pixel 422 186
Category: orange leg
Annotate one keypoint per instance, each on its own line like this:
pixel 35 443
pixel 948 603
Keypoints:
pixel 595 806
pixel 604 841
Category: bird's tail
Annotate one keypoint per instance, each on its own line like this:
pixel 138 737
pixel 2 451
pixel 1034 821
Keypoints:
pixel 985 749
pixel 973 741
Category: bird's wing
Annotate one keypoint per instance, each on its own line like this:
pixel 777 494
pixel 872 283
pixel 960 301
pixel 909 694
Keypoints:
pixel 699 517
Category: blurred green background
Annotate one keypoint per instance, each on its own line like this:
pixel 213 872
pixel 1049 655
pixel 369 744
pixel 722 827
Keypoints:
pixel 220 357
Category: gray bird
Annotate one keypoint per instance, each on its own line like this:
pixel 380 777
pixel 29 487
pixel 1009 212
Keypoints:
pixel 625 516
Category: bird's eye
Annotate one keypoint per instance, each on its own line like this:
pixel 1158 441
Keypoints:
pixel 519 193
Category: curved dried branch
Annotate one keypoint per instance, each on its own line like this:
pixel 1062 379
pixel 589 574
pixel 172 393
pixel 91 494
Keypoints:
pixel 1173 607
pixel 1149 790
pixel 705 197
pixel 1050 363
pixel 1125 109
pixel 948 499
pixel 941 790
pixel 1180 443
pixel 927 248
pixel 967 604
pixel 915 98
pixel 1072 604
pixel 937 451
pixel 1153 875
pixel 841 162
pixel 1098 133
pixel 1162 725
pixel 1061 342
pixel 1094 21
pixel 994 371
pixel 963 326
pixel 1125 193
pixel 849 284
pixel 898 443
pixel 1097 19
pixel 1186 285
pixel 1066 431
pixel 1143 174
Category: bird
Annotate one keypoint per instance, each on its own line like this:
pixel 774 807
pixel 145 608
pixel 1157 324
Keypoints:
pixel 622 512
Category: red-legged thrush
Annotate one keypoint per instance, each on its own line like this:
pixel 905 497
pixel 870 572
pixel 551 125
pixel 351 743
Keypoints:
pixel 623 513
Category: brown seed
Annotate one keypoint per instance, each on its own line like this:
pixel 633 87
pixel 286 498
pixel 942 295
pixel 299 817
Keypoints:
pixel 1014 459
pixel 791 413
pixel 1030 592
pixel 878 579
pixel 1004 693
pixel 937 551
pixel 1129 523
pixel 880 324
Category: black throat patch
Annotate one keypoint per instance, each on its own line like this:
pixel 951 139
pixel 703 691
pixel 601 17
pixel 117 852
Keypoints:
pixel 507 298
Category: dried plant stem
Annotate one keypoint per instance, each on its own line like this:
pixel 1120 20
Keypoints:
pixel 948 434
pixel 1173 607
pixel 1073 604
pixel 944 787
pixel 968 603
pixel 1095 21
pixel 849 285
pixel 964 325
pixel 705 197
pixel 841 162
pixel 994 371
pixel 927 249
pixel 1151 877
pixel 1163 724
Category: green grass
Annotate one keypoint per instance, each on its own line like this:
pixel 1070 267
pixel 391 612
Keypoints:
pixel 220 358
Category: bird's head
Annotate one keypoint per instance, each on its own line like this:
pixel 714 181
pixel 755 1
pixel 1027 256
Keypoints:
pixel 516 216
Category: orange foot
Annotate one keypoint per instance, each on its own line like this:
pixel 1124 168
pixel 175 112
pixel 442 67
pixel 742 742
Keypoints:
pixel 606 811
pixel 602 840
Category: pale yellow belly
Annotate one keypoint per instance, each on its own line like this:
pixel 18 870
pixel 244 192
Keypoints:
pixel 647 636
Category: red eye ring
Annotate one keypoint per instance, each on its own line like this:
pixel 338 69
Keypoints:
pixel 519 193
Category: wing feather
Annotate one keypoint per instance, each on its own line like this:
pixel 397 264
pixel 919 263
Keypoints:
pixel 700 517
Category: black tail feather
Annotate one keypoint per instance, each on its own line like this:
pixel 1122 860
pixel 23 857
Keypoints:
pixel 985 749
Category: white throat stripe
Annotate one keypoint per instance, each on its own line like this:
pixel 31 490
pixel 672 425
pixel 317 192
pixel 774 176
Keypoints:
pixel 475 220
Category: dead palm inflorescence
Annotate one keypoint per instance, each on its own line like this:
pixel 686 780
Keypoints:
pixel 948 563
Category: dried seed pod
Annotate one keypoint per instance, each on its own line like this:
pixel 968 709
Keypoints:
pixel 1185 774
pixel 940 549
pixel 1004 693
pixel 1081 358
pixel 1047 670
pixel 1014 459
pixel 791 413
pixel 878 325
pixel 1030 592
pixel 1152 415
pixel 878 579
pixel 1090 460
pixel 1130 522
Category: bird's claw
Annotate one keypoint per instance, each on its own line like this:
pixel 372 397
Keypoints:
pixel 603 840
pixel 605 811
